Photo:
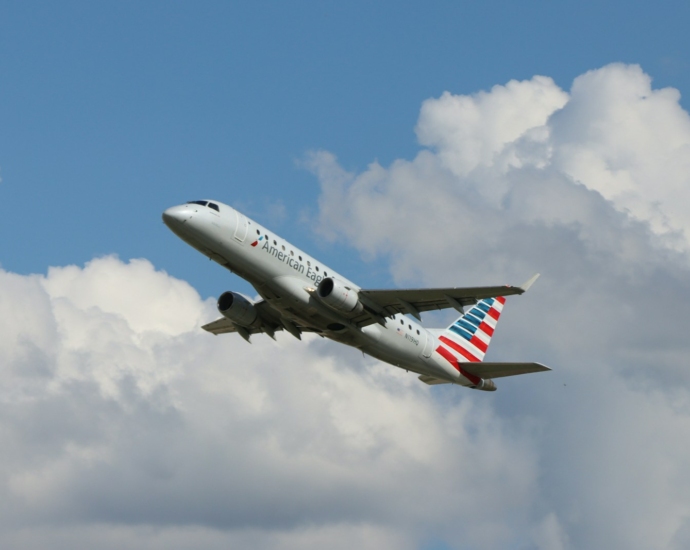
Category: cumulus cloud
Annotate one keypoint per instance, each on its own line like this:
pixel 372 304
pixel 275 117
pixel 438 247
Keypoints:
pixel 587 187
pixel 125 425
pixel 122 426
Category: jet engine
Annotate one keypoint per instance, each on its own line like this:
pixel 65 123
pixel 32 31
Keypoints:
pixel 338 296
pixel 238 309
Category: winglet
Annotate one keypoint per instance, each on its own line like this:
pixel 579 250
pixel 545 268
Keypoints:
pixel 528 283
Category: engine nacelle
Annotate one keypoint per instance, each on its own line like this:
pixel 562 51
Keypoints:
pixel 338 296
pixel 238 309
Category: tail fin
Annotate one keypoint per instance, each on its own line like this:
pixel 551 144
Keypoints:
pixel 471 334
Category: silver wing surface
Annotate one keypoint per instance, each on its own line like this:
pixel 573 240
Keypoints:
pixel 385 303
pixel 225 326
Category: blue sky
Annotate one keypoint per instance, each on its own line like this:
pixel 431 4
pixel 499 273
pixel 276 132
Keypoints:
pixel 401 143
pixel 110 113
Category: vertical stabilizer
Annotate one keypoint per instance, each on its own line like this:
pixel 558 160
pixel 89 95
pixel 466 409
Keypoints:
pixel 468 338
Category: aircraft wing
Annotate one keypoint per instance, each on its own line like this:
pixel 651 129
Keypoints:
pixel 414 301
pixel 224 326
pixel 269 317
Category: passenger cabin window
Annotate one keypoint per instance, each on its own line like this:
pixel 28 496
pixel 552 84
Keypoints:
pixel 258 232
pixel 214 206
pixel 317 268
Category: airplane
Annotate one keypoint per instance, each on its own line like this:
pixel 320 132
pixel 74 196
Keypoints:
pixel 300 294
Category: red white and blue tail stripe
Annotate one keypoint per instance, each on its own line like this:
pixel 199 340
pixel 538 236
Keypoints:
pixel 468 338
pixel 464 344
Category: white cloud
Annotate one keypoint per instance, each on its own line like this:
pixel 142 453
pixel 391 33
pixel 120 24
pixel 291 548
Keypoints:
pixel 121 427
pixel 630 142
pixel 472 131
pixel 613 134
pixel 549 534
pixel 125 425
pixel 587 187
pixel 115 537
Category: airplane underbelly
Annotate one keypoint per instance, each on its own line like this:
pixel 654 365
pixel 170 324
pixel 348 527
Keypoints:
pixel 290 289
pixel 410 352
pixel 389 344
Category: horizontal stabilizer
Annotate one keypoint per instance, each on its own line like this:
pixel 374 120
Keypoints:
pixel 431 381
pixel 499 370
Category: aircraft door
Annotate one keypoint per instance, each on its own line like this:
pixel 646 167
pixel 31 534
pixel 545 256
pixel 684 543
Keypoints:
pixel 241 228
pixel 428 345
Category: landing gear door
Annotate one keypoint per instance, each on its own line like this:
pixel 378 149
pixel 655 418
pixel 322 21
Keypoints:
pixel 241 229
pixel 428 345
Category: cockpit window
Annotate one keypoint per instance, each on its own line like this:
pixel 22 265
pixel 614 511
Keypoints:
pixel 214 206
pixel 202 203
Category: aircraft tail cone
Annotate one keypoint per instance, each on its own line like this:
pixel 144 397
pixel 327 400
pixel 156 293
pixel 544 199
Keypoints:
pixel 486 385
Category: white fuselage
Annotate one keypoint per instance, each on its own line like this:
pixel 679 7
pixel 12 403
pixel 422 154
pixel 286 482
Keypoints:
pixel 286 278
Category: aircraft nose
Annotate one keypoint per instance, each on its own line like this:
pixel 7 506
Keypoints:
pixel 176 215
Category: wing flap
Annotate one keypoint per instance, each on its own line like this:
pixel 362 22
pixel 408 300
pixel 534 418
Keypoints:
pixel 226 326
pixel 500 370
pixel 220 326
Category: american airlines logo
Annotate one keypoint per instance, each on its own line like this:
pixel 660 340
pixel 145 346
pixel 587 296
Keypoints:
pixel 289 260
